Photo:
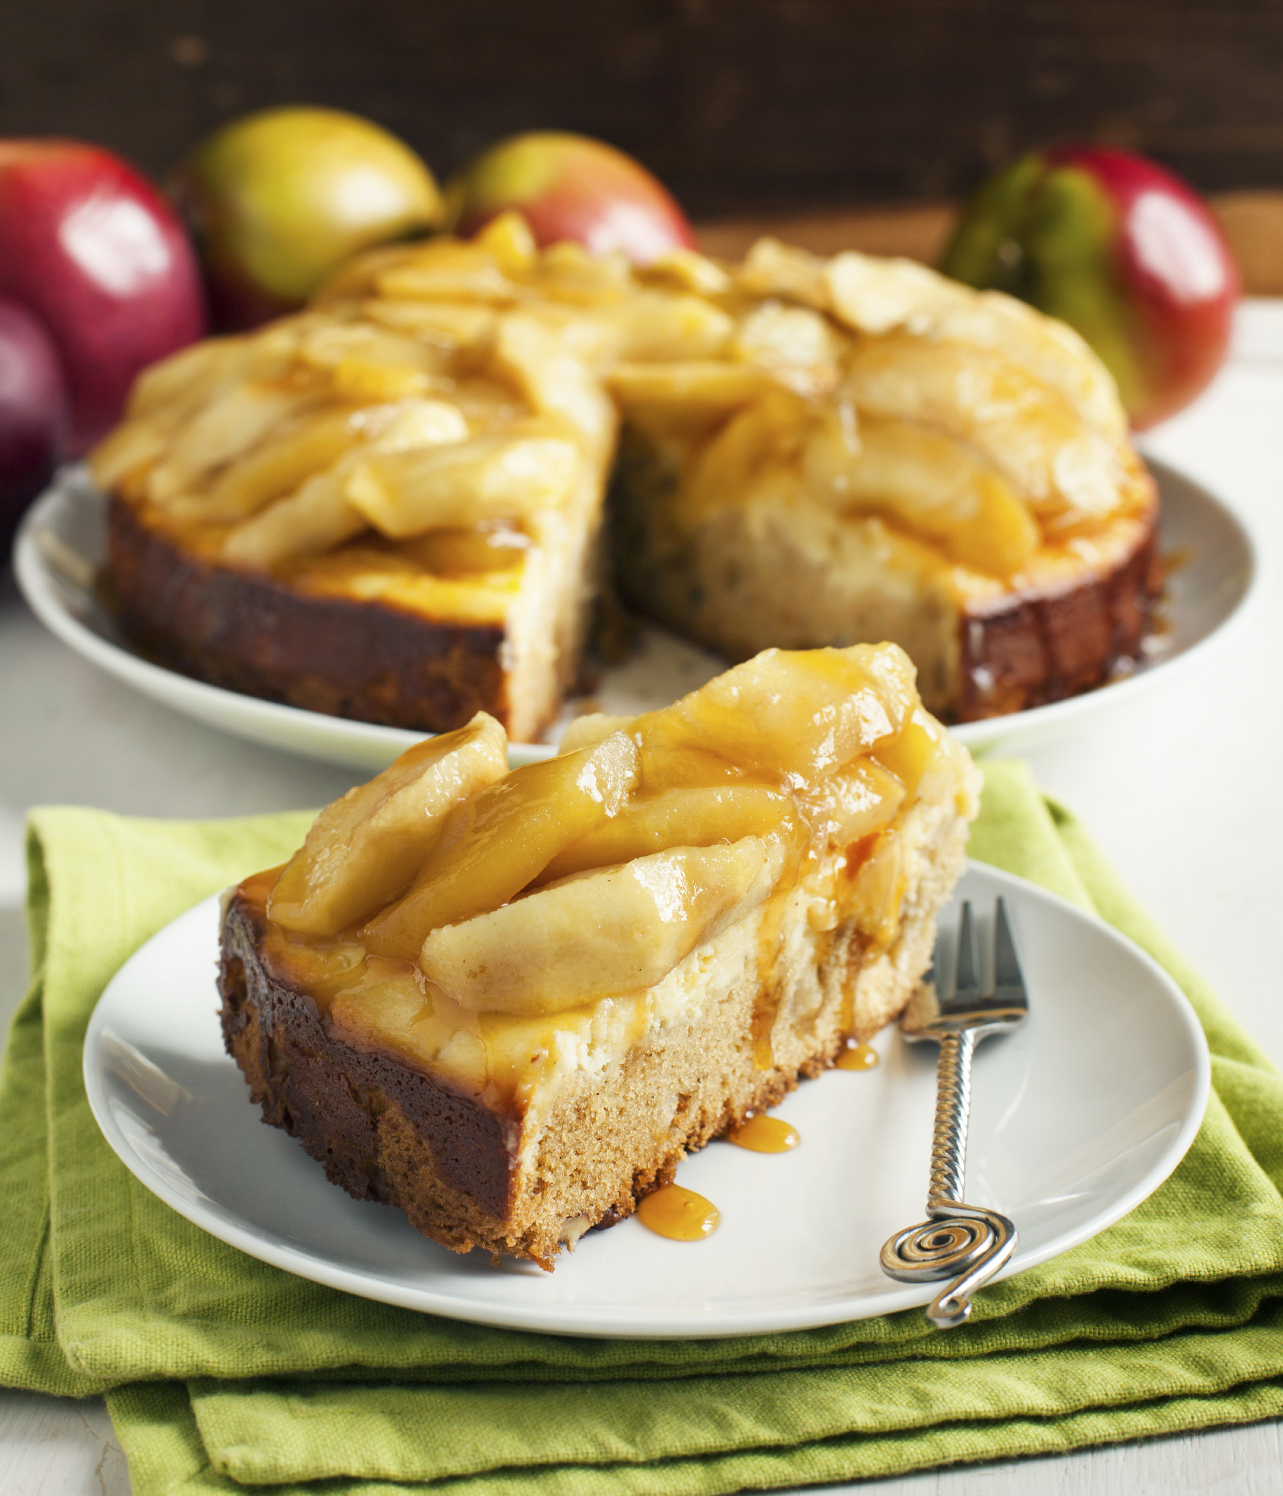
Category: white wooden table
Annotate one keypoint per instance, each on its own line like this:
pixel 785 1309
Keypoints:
pixel 1183 788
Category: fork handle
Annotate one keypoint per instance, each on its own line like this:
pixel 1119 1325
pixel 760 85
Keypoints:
pixel 967 1243
pixel 953 1112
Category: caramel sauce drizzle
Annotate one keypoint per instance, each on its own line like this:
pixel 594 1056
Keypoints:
pixel 768 1004
pixel 857 1057
pixel 679 1214
pixel 763 1134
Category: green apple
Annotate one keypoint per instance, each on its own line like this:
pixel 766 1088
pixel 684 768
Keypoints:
pixel 278 200
pixel 570 187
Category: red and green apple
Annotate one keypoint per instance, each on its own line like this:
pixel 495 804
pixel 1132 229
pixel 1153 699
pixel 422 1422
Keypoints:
pixel 569 187
pixel 1119 248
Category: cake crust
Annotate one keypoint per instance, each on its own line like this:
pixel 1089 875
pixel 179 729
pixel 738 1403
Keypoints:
pixel 381 1130
pixel 255 634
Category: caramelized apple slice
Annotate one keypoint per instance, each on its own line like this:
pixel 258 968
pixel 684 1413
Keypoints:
pixel 446 270
pixel 799 714
pixel 490 477
pixel 600 934
pixel 552 379
pixel 689 269
pixel 774 269
pixel 404 425
pixel 471 550
pixel 278 465
pixel 661 326
pixel 131 448
pixel 786 337
pixel 508 238
pixel 708 387
pixel 315 519
pixel 570 272
pixel 665 765
pixel 873 295
pixel 182 380
pixel 766 434
pixel 443 324
pixel 230 424
pixel 674 818
pixel 364 850
pixel 591 728
pixel 936 486
pixel 878 296
pixel 499 840
pixel 853 803
pixel 163 396
pixel 924 750
pixel 1024 429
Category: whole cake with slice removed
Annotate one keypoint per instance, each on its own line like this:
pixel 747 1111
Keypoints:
pixel 510 1002
pixel 390 506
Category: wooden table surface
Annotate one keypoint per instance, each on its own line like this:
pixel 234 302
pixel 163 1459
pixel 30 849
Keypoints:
pixel 1182 788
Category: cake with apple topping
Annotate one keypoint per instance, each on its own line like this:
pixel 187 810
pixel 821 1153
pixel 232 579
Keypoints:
pixel 389 506
pixel 510 1002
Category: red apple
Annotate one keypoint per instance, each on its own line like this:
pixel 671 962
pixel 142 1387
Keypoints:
pixel 1120 249
pixel 100 260
pixel 570 187
pixel 34 419
pixel 278 200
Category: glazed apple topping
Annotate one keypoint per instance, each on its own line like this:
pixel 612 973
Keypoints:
pixel 499 840
pixel 445 385
pixel 601 933
pixel 594 874
pixel 365 849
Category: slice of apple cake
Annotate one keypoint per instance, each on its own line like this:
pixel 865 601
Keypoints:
pixel 510 1002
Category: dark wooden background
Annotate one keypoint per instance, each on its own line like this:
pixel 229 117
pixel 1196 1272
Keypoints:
pixel 743 106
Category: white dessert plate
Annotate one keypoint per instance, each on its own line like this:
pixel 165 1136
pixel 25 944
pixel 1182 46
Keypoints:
pixel 61 547
pixel 1076 1118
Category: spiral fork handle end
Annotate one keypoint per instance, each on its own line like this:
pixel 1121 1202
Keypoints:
pixel 964 1242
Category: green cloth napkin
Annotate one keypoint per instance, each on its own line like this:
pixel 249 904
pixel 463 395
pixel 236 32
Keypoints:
pixel 222 1372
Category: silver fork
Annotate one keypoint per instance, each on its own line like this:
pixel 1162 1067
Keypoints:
pixel 967 1243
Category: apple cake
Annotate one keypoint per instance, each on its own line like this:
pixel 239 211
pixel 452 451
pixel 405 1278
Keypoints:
pixel 389 506
pixel 509 1002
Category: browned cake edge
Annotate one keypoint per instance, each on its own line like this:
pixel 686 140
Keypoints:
pixel 380 1130
pixel 1037 650
pixel 364 660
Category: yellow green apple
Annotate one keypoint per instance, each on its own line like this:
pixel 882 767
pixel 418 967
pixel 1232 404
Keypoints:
pixel 278 200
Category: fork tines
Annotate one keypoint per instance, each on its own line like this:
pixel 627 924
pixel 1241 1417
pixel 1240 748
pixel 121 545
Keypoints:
pixel 1008 980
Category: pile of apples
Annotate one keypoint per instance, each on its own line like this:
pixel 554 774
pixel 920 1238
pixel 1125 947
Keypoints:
pixel 102 274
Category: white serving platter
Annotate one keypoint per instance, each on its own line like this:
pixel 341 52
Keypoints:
pixel 62 546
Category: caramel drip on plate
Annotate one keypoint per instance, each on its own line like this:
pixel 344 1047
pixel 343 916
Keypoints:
pixel 857 1057
pixel 764 1134
pixel 679 1214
